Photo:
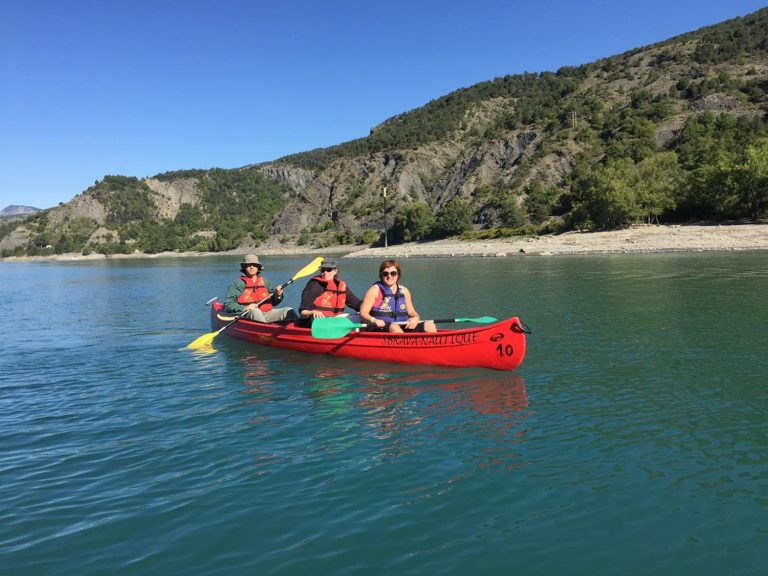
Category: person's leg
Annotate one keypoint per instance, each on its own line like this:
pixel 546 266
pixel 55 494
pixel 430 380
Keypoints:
pixel 280 314
pixel 256 315
pixel 395 328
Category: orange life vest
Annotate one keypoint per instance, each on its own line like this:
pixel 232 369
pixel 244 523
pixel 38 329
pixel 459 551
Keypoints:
pixel 255 291
pixel 333 299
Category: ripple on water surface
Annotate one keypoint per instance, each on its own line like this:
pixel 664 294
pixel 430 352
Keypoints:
pixel 631 440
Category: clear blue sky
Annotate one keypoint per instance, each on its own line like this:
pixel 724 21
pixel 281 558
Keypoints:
pixel 138 87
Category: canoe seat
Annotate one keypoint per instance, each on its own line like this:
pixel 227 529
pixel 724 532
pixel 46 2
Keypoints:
pixel 224 318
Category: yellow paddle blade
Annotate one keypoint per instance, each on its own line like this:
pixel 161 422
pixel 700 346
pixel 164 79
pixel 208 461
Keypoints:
pixel 203 341
pixel 308 269
pixel 203 351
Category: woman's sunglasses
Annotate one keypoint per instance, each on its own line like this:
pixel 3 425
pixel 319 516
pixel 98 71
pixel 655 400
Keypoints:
pixel 327 269
pixel 388 274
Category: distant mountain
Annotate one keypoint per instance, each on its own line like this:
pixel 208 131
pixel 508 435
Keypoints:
pixel 14 210
pixel 670 132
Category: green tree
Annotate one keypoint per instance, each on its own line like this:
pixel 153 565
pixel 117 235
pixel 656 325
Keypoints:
pixel 540 202
pixel 511 214
pixel 455 218
pixel 710 190
pixel 657 182
pixel 412 222
pixel 609 196
pixel 636 139
pixel 751 179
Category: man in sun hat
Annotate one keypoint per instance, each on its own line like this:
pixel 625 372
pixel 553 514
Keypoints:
pixel 252 294
pixel 326 294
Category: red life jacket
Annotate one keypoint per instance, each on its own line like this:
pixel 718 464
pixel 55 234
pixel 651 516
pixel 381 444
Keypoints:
pixel 333 299
pixel 255 291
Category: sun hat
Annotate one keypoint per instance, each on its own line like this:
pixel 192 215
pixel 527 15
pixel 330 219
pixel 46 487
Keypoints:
pixel 329 263
pixel 251 259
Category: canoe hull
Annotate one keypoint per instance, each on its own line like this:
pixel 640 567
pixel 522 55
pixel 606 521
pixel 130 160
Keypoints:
pixel 500 346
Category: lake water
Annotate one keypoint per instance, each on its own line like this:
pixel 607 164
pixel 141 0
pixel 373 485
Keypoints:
pixel 632 440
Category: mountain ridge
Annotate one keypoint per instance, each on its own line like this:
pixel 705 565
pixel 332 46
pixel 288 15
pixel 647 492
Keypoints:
pixel 527 152
pixel 17 210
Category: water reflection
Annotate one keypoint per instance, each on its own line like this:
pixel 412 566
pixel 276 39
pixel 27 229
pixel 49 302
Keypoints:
pixel 333 391
pixel 478 416
pixel 387 414
pixel 258 377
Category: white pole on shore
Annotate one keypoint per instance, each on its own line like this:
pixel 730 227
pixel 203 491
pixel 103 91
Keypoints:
pixel 385 217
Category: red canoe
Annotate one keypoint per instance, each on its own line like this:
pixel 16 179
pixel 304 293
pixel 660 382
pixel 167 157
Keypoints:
pixel 500 345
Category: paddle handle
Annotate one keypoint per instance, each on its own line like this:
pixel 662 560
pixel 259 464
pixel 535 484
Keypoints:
pixel 228 324
pixel 278 287
pixel 404 322
pixel 483 320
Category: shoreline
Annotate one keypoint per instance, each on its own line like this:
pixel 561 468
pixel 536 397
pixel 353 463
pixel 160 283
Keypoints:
pixel 638 239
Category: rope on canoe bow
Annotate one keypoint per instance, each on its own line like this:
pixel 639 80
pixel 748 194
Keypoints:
pixel 521 326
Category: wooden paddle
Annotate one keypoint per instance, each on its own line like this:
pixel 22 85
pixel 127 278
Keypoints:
pixel 339 326
pixel 205 340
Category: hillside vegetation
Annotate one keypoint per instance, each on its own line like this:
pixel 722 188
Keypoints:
pixel 672 132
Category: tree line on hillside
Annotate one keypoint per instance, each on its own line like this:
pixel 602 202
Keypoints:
pixel 541 97
pixel 716 169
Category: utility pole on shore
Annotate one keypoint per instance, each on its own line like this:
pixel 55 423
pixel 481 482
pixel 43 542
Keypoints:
pixel 385 217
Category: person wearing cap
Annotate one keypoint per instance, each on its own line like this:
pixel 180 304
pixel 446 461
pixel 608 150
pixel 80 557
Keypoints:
pixel 326 294
pixel 252 294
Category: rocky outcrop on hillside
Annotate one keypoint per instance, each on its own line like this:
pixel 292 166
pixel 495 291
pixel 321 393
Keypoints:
pixel 170 195
pixel 81 206
pixel 348 190
pixel 296 178
pixel 18 237
pixel 482 166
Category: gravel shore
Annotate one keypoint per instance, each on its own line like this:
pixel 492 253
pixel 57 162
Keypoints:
pixel 637 239
pixel 634 240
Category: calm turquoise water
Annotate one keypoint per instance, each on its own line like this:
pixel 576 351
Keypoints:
pixel 633 439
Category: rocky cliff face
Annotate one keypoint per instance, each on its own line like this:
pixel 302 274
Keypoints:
pixel 169 196
pixel 349 191
pixel 17 237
